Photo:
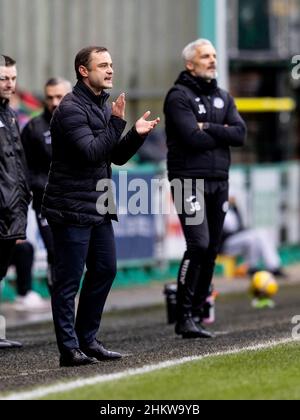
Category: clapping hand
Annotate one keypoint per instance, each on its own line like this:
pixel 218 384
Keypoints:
pixel 144 126
pixel 118 107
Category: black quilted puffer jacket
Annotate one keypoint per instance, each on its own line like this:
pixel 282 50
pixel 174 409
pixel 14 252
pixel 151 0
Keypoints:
pixel 86 139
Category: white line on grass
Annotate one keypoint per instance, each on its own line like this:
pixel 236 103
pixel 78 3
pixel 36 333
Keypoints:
pixel 79 383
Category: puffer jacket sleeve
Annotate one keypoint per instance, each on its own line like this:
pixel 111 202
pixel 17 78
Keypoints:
pixel 127 147
pixel 235 134
pixel 73 122
pixel 182 118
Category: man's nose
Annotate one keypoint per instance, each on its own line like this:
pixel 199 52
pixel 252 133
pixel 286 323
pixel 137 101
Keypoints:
pixel 55 102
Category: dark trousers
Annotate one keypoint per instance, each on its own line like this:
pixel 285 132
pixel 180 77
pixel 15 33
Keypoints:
pixel 203 244
pixel 74 247
pixel 47 237
pixel 22 259
pixel 6 251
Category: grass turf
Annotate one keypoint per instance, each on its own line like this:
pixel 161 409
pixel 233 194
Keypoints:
pixel 264 374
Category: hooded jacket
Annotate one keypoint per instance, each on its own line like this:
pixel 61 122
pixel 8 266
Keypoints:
pixel 86 139
pixel 36 139
pixel 14 190
pixel 202 153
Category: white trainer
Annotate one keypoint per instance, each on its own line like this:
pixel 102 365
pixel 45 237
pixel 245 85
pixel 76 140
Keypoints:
pixel 32 301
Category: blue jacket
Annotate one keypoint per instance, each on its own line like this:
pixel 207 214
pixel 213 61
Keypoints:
pixel 86 139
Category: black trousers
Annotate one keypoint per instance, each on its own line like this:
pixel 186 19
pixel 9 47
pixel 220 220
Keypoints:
pixel 22 259
pixel 203 244
pixel 74 247
pixel 6 251
pixel 47 237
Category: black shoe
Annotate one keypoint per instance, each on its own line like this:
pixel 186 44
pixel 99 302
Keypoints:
pixel 97 350
pixel 75 357
pixel 188 329
pixel 8 344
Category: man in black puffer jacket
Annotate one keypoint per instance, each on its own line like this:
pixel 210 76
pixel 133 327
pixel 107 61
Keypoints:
pixel 36 139
pixel 86 138
pixel 14 190
pixel 202 123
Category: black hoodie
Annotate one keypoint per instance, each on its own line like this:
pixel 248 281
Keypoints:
pixel 195 153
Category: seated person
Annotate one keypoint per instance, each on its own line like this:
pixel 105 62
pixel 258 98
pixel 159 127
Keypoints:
pixel 22 259
pixel 255 245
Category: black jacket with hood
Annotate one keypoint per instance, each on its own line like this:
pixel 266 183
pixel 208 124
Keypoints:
pixel 195 153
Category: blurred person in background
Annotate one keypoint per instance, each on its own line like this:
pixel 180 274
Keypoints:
pixel 14 190
pixel 26 106
pixel 86 138
pixel 22 259
pixel 254 245
pixel 36 139
pixel 154 149
pixel 202 123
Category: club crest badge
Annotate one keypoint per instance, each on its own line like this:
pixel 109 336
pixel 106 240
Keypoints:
pixel 219 103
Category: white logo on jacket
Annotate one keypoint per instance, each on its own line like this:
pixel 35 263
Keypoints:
pixel 219 103
pixel 202 109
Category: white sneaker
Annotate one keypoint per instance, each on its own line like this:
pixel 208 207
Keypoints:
pixel 32 301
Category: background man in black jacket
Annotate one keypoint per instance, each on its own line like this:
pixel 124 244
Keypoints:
pixel 202 123
pixel 86 138
pixel 36 139
pixel 14 190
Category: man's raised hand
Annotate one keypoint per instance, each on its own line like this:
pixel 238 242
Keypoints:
pixel 143 126
pixel 118 107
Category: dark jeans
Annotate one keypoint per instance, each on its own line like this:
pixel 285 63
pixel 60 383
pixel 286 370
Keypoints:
pixel 74 247
pixel 203 244
pixel 6 251
pixel 22 259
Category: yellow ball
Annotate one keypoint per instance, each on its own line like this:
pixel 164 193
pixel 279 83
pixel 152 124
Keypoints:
pixel 264 284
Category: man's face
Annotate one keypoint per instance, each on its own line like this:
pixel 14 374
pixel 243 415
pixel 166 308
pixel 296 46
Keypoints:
pixel 204 63
pixel 53 96
pixel 8 81
pixel 99 74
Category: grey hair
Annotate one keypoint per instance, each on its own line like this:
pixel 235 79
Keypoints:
pixel 188 52
pixel 54 81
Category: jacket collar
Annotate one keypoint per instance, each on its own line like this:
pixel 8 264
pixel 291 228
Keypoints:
pixel 197 84
pixel 4 104
pixel 81 89
pixel 47 115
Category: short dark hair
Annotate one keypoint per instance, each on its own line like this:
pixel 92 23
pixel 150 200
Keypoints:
pixel 83 58
pixel 54 81
pixel 6 61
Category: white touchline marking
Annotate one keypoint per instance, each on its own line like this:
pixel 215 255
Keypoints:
pixel 79 383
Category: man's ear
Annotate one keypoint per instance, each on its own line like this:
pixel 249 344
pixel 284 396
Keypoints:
pixel 83 71
pixel 189 66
